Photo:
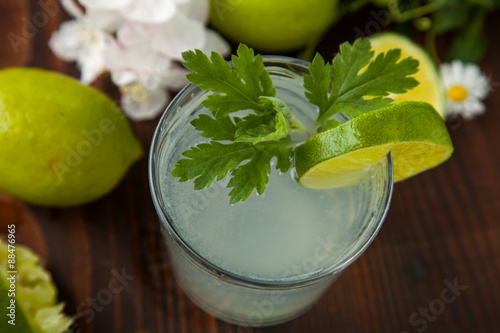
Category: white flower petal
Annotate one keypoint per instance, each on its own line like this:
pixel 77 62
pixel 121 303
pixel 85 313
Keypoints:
pixel 150 11
pixel 473 108
pixel 215 42
pixel 123 78
pixel 91 67
pixel 74 41
pixel 138 103
pixel 454 108
pixel 175 77
pixel 140 62
pixel 67 42
pixel 195 9
pixel 457 68
pixel 105 4
pixel 178 35
pixel 72 8
pixel 482 88
pixel 133 33
pixel 446 75
pixel 108 20
pixel 471 73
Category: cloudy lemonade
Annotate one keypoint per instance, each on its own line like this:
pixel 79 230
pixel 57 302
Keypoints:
pixel 267 259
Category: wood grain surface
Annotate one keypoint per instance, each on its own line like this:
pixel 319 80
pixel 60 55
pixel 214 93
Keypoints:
pixel 434 266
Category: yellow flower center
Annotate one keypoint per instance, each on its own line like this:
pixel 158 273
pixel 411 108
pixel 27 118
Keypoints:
pixel 457 93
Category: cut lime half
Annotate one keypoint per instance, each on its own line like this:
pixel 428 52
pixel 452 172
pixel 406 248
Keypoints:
pixel 29 294
pixel 430 88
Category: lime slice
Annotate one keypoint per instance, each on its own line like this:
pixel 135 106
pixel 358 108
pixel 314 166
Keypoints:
pixel 430 89
pixel 33 294
pixel 413 132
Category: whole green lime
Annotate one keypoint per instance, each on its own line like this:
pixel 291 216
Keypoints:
pixel 61 143
pixel 273 26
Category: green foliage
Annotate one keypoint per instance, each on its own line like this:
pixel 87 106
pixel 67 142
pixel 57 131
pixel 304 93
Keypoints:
pixel 244 146
pixel 253 139
pixel 239 88
pixel 344 87
pixel 469 44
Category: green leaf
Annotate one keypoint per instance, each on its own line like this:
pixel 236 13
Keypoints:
pixel 207 162
pixel 260 128
pixel 328 124
pixel 452 15
pixel 251 70
pixel 318 84
pixel 255 173
pixel 237 89
pixel 217 129
pixel 354 91
pixel 470 43
pixel 254 138
pixel 353 84
pixel 277 105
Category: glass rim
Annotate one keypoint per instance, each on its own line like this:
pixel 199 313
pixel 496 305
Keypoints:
pixel 220 272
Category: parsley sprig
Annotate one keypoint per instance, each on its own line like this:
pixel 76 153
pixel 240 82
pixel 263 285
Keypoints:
pixel 341 88
pixel 243 145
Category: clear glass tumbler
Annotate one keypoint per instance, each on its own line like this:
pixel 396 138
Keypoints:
pixel 266 260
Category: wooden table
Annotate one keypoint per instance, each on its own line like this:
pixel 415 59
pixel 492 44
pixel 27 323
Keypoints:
pixel 434 266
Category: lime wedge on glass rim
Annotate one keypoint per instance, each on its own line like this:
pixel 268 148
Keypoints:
pixel 413 132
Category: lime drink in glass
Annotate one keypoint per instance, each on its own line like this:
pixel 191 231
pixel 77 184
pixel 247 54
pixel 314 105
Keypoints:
pixel 266 260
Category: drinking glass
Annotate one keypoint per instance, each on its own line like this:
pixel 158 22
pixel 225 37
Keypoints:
pixel 266 260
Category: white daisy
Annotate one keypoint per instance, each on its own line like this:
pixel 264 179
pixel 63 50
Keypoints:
pixel 465 88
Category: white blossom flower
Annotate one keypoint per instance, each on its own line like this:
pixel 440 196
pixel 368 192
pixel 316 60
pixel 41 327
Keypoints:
pixel 146 11
pixel 465 88
pixel 77 40
pixel 143 77
pixel 85 39
pixel 141 103
pixel 140 42
pixel 105 4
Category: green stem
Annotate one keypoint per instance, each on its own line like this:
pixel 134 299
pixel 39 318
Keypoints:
pixel 295 125
pixel 308 52
pixel 430 45
pixel 414 13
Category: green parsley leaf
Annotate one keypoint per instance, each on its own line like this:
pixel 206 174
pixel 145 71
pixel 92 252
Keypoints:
pixel 255 173
pixel 239 88
pixel 245 146
pixel 274 125
pixel 260 128
pixel 217 129
pixel 213 161
pixel 344 87
pixel 253 139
